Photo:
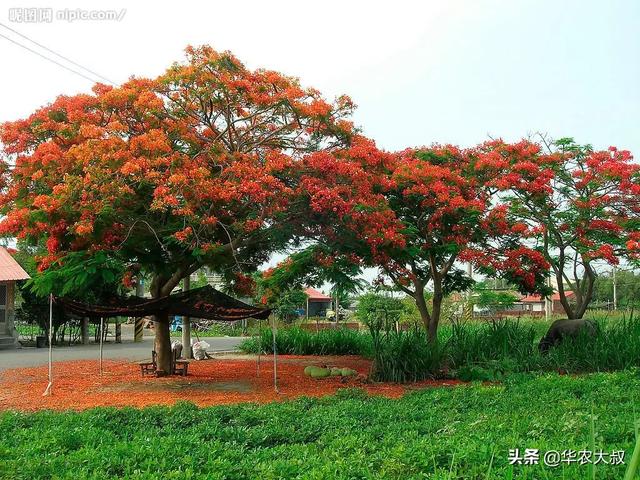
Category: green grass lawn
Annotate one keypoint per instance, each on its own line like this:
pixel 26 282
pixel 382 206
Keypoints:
pixel 444 433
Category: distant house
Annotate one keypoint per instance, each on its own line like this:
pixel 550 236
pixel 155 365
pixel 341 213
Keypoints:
pixel 10 272
pixel 317 303
pixel 534 305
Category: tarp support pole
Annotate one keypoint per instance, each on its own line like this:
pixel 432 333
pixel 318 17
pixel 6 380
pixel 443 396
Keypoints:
pixel 138 323
pixel 186 324
pixel 275 357
pixel 259 346
pixel 101 337
pixel 50 385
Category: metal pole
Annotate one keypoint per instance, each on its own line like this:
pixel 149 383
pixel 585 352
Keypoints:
pixel 469 306
pixel 615 290
pixel 138 322
pixel 547 302
pixel 186 324
pixel 101 337
pixel 275 358
pixel 50 385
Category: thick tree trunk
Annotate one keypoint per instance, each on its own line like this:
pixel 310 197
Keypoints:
pixel 436 310
pixel 583 292
pixel 421 303
pixel 161 286
pixel 162 344
pixel 430 319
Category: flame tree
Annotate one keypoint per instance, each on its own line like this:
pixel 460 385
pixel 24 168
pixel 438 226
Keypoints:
pixel 166 175
pixel 415 214
pixel 581 205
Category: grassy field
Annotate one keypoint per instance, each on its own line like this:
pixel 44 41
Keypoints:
pixel 444 433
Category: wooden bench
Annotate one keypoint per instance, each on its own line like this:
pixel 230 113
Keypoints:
pixel 178 367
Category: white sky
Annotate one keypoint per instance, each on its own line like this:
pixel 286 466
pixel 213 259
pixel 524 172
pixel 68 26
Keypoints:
pixel 421 72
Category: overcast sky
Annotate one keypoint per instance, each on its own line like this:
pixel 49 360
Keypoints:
pixel 420 72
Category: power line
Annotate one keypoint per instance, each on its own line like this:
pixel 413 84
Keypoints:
pixel 55 53
pixel 47 58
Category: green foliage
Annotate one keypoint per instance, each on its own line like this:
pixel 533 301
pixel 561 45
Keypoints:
pixel 485 297
pixel 288 303
pixel 627 289
pixel 80 275
pixel 436 433
pixel 372 305
pixel 311 267
pixel 296 341
pixel 34 310
pixel 511 346
pixel 471 351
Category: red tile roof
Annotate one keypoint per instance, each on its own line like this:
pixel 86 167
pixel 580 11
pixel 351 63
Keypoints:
pixel 314 294
pixel 538 298
pixel 9 268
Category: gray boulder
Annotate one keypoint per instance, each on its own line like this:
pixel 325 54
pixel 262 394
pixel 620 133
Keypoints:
pixel 566 328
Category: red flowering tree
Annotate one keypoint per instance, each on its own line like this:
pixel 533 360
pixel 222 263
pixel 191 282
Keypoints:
pixel 166 175
pixel 580 205
pixel 414 215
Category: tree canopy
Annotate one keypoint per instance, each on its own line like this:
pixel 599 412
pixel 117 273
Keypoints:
pixel 168 174
pixel 414 214
pixel 580 207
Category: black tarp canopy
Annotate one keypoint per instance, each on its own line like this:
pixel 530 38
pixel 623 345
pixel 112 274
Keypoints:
pixel 204 302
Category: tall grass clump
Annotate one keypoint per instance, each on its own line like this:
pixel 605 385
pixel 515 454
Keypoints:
pixel 405 356
pixel 296 341
pixel 615 347
pixel 401 356
pixel 487 342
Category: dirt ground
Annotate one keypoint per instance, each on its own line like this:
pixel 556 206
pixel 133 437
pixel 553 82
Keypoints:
pixel 224 379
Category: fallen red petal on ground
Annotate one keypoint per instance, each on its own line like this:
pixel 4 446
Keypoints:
pixel 78 384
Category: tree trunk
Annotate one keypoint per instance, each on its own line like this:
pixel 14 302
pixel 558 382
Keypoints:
pixel 561 292
pixel 84 330
pixel 421 303
pixel 436 310
pixel 583 297
pixel 162 344
pixel 161 286
pixel 581 308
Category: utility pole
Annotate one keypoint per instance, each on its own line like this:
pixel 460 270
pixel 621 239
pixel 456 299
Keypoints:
pixel 186 323
pixel 615 290
pixel 548 304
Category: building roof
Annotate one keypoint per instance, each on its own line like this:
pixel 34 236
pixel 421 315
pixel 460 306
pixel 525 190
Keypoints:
pixel 314 294
pixel 9 268
pixel 538 298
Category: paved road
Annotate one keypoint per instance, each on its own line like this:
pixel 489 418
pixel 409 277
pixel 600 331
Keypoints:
pixel 31 356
